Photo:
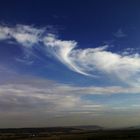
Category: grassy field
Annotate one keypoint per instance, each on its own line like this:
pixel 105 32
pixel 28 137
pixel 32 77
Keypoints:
pixel 68 134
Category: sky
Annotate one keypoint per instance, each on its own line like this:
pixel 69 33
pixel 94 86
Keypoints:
pixel 65 63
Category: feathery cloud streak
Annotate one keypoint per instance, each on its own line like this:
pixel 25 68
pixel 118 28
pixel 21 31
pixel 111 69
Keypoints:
pixel 88 61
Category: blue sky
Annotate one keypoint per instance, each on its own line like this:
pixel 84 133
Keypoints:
pixel 69 63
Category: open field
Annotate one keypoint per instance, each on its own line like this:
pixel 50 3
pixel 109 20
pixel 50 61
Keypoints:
pixel 67 134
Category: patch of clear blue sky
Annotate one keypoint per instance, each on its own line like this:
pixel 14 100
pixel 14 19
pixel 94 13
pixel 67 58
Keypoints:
pixel 116 100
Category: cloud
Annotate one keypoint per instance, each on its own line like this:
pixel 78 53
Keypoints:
pixel 34 94
pixel 62 51
pixel 90 61
pixel 27 95
pixel 94 62
pixel 41 102
pixel 23 34
pixel 120 34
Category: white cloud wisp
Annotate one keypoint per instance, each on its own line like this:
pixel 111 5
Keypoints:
pixel 88 61
pixel 91 60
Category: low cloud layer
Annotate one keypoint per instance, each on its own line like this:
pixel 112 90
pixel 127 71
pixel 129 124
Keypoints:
pixel 27 96
pixel 39 102
pixel 89 61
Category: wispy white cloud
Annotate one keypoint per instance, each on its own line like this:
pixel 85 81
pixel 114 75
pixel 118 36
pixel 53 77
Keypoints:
pixel 88 61
pixel 62 51
pixel 120 34
pixel 23 34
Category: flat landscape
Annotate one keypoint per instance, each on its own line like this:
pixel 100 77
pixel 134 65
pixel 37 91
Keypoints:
pixel 68 133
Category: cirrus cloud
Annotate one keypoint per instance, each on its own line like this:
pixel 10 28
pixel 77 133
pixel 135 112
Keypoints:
pixel 89 61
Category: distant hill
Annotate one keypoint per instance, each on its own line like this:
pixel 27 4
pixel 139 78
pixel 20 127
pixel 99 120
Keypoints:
pixel 129 128
pixel 89 127
pixel 133 127
pixel 50 129
pixel 38 130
